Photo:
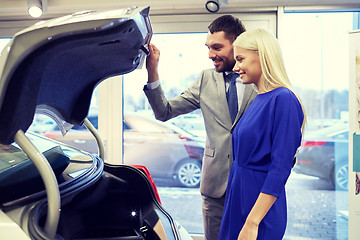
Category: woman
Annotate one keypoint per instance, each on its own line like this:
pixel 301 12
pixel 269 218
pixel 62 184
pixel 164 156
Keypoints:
pixel 264 141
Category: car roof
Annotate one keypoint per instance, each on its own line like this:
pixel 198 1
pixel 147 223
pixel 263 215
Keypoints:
pixel 328 132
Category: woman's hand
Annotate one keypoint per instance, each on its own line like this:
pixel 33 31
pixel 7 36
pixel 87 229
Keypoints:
pixel 248 232
pixel 256 215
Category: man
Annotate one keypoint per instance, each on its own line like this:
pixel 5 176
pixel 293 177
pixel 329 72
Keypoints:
pixel 209 93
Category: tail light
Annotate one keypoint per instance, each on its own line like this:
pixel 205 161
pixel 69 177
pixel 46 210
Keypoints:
pixel 194 151
pixel 307 144
pixel 51 135
pixel 148 175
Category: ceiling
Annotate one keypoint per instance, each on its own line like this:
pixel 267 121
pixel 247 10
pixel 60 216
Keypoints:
pixel 16 9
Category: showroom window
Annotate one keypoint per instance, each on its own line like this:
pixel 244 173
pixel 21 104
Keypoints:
pixel 316 52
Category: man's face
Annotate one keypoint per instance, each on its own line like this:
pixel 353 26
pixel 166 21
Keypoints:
pixel 220 51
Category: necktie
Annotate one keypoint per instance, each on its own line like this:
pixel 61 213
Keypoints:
pixel 231 96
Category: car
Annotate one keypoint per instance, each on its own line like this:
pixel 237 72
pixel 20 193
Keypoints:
pixel 178 157
pixel 41 123
pixel 324 154
pixel 192 123
pixel 49 190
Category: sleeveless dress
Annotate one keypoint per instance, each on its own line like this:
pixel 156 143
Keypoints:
pixel 264 144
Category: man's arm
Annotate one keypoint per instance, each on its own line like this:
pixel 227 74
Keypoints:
pixel 162 108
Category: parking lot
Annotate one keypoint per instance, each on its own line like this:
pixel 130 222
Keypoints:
pixel 315 210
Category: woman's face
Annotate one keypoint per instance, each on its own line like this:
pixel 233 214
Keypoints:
pixel 247 65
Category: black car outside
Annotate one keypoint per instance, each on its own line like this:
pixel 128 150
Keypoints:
pixel 324 154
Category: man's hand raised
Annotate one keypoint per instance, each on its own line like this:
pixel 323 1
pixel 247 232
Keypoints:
pixel 152 62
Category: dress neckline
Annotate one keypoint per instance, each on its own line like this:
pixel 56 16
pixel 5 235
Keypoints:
pixel 266 93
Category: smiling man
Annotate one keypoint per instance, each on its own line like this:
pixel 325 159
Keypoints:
pixel 210 94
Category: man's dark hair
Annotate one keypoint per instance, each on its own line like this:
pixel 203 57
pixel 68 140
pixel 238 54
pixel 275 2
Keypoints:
pixel 232 26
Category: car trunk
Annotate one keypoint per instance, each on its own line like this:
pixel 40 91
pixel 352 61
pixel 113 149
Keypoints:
pixel 120 204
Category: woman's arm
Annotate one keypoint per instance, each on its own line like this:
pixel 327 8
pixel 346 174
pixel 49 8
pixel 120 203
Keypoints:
pixel 257 213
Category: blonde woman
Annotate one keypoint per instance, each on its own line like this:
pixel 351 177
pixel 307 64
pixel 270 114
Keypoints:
pixel 264 143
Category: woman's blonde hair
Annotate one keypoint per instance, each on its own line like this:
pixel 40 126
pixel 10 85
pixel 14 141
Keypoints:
pixel 265 44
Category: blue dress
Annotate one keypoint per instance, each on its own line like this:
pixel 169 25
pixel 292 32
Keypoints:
pixel 264 144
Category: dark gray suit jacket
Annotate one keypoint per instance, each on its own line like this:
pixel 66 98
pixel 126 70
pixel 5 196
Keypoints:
pixel 208 94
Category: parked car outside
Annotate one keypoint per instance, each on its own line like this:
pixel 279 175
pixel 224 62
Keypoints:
pixel 192 123
pixel 169 152
pixel 42 124
pixel 324 154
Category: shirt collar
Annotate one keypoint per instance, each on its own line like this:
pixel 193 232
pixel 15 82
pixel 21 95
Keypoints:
pixel 227 73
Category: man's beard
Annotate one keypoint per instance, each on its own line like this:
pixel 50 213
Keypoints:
pixel 225 67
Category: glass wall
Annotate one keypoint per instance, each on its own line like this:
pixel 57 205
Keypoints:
pixel 315 49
